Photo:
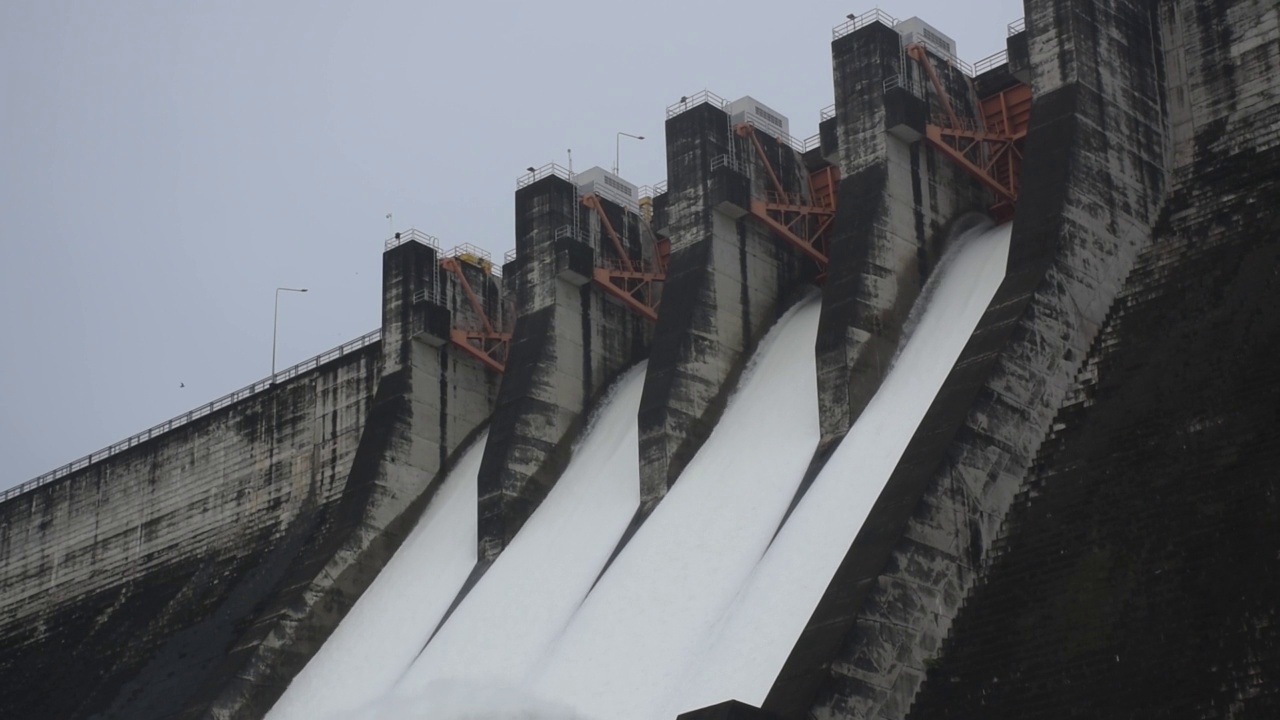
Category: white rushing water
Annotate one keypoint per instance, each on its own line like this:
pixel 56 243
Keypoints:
pixel 508 621
pixel 396 615
pixel 703 604
pixel 756 636
pixel 621 655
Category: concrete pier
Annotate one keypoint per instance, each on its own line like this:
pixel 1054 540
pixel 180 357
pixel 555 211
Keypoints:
pixel 728 280
pixel 1093 185
pixel 899 201
pixel 571 341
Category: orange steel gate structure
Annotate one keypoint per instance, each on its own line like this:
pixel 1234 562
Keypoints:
pixel 486 344
pixel 989 148
pixel 625 279
pixel 804 224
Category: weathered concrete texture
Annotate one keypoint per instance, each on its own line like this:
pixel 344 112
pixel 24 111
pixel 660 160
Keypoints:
pixel 898 200
pixel 1136 575
pixel 432 399
pixel 193 575
pixel 728 280
pixel 570 342
pixel 125 584
pixel 1092 185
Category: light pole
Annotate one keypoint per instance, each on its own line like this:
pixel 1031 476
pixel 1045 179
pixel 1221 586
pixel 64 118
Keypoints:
pixel 617 142
pixel 275 325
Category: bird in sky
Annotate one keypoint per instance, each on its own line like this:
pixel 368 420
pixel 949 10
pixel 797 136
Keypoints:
pixel 182 384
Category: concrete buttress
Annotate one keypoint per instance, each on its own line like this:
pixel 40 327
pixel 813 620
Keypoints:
pixel 899 199
pixel 569 343
pixel 728 279
pixel 1094 178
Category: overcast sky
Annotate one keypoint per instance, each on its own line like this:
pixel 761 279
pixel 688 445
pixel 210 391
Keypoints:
pixel 165 165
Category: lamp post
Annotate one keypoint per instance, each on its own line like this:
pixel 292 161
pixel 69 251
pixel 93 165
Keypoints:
pixel 617 142
pixel 275 325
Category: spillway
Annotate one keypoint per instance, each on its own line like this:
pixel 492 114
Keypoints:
pixel 621 654
pixel 394 618
pixel 757 634
pixel 506 624
pixel 707 598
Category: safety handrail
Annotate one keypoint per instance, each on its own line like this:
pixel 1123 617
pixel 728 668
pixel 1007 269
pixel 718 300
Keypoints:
pixel 653 191
pixel 860 21
pixel 509 256
pixel 904 82
pixel 827 112
pixel 705 97
pixel 545 171
pixel 800 146
pixel 949 58
pixel 569 231
pixel 991 61
pixel 616 197
pixel 434 295
pixel 720 161
pixel 181 420
pixel 1017 26
pixel 411 235
pixel 462 249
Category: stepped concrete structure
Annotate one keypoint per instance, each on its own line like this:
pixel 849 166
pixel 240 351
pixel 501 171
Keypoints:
pixel 1083 524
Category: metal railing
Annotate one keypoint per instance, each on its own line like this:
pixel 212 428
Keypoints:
pixel 568 231
pixel 1017 26
pixel 734 164
pixel 509 256
pixel 706 97
pixel 990 62
pixel 206 409
pixel 860 21
pixel 476 255
pixel 616 197
pixel 800 146
pixel 653 191
pixel 827 113
pixel 906 83
pixel 411 235
pixel 434 295
pixel 946 56
pixel 545 171
pixel 467 251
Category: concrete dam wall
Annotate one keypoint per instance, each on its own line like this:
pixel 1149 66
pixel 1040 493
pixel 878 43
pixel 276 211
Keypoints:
pixel 1096 467
pixel 119 559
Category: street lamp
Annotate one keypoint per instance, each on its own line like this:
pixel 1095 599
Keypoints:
pixel 617 141
pixel 275 324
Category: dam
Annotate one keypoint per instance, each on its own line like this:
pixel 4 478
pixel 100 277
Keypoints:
pixel 962 407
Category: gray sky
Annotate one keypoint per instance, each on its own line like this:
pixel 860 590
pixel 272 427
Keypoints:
pixel 164 166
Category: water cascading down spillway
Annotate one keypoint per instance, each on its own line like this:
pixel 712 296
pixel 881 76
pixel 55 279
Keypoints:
pixel 703 603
